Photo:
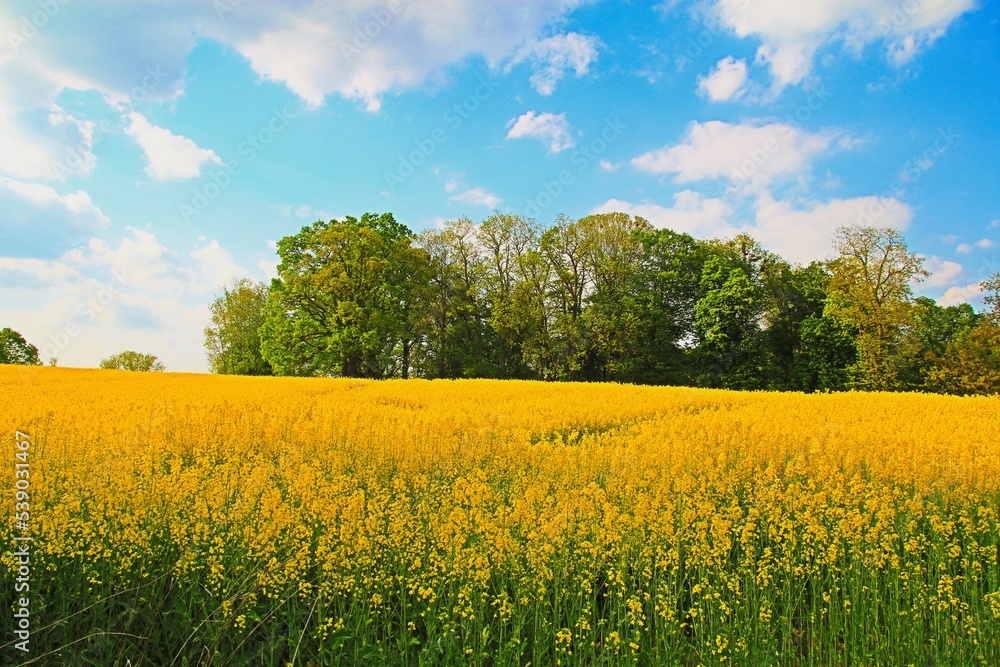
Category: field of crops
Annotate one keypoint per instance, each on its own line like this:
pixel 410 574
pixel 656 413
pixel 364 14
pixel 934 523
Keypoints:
pixel 184 519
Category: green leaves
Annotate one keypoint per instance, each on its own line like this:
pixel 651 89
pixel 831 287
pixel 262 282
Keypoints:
pixel 15 350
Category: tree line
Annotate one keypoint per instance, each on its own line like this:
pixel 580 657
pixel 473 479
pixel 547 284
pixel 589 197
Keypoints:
pixel 607 297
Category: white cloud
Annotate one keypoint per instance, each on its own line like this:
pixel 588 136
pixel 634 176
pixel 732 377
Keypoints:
pixel 963 249
pixel 552 129
pixel 994 224
pixel 477 197
pixel 954 296
pixel 748 156
pixel 553 56
pixel 692 213
pixel 216 265
pixel 985 243
pixel 727 81
pixel 943 272
pixel 791 33
pixel 798 233
pixel 607 165
pixel 45 197
pixel 361 50
pixel 168 155
pixel 103 298
pixel 804 234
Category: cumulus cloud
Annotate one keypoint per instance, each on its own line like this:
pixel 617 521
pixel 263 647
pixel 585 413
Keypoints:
pixel 805 233
pixel 477 197
pixel 746 155
pixel 691 213
pixel 943 272
pixel 168 155
pixel 726 81
pixel 798 233
pixel 77 203
pixel 360 50
pixel 960 294
pixel 104 297
pixel 554 56
pixel 791 33
pixel 550 128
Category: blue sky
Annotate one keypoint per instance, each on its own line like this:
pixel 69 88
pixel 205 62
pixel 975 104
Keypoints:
pixel 151 152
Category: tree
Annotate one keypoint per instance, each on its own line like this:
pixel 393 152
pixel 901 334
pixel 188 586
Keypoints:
pixel 346 299
pixel 971 363
pixel 133 361
pixel 826 351
pixel 233 339
pixel 728 320
pixel 991 297
pixel 794 295
pixel 15 350
pixel 457 333
pixel 870 289
pixel 666 289
pixel 614 251
pixel 925 339
pixel 505 240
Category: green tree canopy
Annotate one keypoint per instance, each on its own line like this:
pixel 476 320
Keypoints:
pixel 130 360
pixel 15 350
pixel 345 299
pixel 871 289
pixel 233 338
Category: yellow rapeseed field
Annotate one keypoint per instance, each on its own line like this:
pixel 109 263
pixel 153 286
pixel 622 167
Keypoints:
pixel 189 519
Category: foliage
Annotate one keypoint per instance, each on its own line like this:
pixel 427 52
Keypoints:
pixel 344 299
pixel 268 521
pixel 605 298
pixel 130 360
pixel 15 350
pixel 233 339
pixel 871 289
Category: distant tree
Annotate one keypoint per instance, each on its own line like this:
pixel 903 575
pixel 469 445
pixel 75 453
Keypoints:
pixel 991 297
pixel 345 300
pixel 870 289
pixel 456 336
pixel 925 340
pixel 614 249
pixel 826 351
pixel 233 338
pixel 971 362
pixel 15 350
pixel 794 296
pixel 133 361
pixel 666 290
pixel 728 319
